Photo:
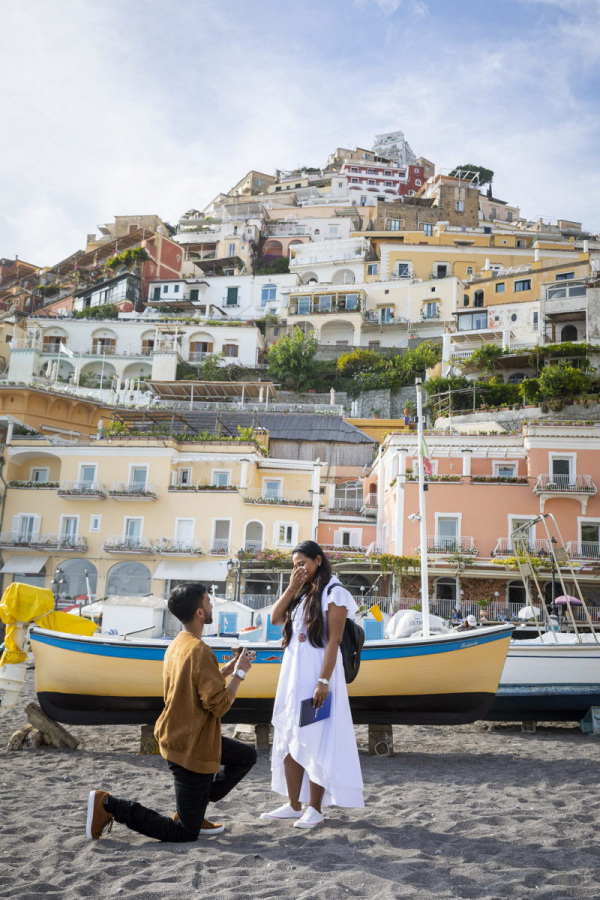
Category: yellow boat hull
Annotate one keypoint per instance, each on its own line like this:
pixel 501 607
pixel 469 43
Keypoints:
pixel 448 679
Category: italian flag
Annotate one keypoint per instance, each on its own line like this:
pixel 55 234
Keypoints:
pixel 424 452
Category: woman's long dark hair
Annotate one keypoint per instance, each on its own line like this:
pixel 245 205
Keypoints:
pixel 312 591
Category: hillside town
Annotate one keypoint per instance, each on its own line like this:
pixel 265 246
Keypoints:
pixel 189 400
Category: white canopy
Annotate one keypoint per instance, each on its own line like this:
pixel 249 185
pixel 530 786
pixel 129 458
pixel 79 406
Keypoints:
pixel 182 569
pixel 24 565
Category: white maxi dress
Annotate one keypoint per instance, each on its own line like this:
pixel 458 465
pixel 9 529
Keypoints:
pixel 326 749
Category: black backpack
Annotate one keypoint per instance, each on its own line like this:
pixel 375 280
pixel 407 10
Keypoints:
pixel 351 645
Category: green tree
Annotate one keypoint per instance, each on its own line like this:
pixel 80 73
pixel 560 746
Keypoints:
pixel 290 359
pixel 350 364
pixel 485 358
pixel 562 382
pixel 485 175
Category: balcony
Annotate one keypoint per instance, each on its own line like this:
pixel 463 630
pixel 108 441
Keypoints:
pixel 178 547
pixel 285 230
pixel 436 544
pixel 345 505
pixel 369 506
pixel 197 356
pixel 279 498
pixel 351 250
pixel 584 550
pixel 253 546
pixel 132 491
pixel 332 302
pixel 220 546
pixel 578 487
pixel 507 546
pixel 119 544
pixel 62 542
pixel 82 490
pixel 101 350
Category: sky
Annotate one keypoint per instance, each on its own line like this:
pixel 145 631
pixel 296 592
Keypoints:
pixel 129 107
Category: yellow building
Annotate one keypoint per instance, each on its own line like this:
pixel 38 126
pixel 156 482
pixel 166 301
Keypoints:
pixel 137 514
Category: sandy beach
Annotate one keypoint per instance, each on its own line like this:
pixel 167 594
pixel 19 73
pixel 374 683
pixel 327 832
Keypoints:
pixel 467 812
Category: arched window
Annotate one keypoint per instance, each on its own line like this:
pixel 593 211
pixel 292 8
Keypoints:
pixel 478 298
pixel 128 578
pixel 445 589
pixel 516 593
pixel 568 333
pixel 74 583
pixel 348 495
pixel 253 542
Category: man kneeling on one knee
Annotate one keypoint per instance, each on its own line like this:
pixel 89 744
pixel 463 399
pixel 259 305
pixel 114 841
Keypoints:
pixel 188 732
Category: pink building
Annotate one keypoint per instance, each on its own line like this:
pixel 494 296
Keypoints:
pixel 484 486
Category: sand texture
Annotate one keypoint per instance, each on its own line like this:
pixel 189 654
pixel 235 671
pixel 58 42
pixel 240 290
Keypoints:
pixel 457 813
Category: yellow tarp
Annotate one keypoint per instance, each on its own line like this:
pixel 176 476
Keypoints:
pixel 25 603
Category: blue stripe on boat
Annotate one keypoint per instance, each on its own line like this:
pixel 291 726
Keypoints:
pixel 128 651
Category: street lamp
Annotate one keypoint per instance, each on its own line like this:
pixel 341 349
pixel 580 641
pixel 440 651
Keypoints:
pixel 237 567
pixel 57 583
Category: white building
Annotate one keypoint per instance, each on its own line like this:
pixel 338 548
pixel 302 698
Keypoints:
pixel 393 145
pixel 226 296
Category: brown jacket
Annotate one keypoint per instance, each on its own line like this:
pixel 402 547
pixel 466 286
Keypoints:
pixel 188 730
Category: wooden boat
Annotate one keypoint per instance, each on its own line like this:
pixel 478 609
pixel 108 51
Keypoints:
pixel 549 679
pixel 446 679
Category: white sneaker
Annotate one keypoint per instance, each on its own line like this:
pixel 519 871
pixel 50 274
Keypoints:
pixel 282 812
pixel 310 819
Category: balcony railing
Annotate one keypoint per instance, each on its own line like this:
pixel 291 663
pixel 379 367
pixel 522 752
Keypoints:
pixel 439 544
pixel 564 484
pixel 508 546
pixel 100 350
pixel 197 356
pixel 36 541
pixel 86 490
pixel 345 504
pixel 118 544
pixel 220 546
pixel 314 308
pixel 132 491
pixel 584 550
pixel 277 498
pixel 187 547
pixel 369 506
pixel 253 546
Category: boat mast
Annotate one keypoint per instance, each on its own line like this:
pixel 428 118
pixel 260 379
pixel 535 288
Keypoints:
pixel 422 513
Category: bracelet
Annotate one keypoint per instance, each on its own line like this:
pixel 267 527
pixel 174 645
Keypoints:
pixel 323 681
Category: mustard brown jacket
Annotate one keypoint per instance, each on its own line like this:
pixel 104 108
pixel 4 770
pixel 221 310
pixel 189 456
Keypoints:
pixel 188 730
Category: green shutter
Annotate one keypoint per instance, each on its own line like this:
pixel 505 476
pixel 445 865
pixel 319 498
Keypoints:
pixel 194 293
pixel 232 296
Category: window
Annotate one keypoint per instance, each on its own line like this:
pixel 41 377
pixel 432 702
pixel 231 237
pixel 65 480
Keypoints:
pixel 354 180
pixel 370 171
pixel 568 333
pixel 386 314
pixel 447 532
pixel 231 250
pixel 590 540
pixel 513 317
pixel 133 531
pixel 325 302
pixel 220 540
pixel 459 206
pixel 536 321
pixel 516 377
pixel 371 181
pixel 466 300
pixel 395 225
pixel 524 284
pixel 354 169
pixel 428 229
pixel 69 526
pixel 232 296
pixel 176 289
pixel 184 530
pixel 184 476
pixel 472 321
pixel 521 533
pixel 402 270
pixel 441 270
pixel 156 293
pixel 372 268
pixel 509 216
pixel 418 182
pixel 493 212
pixel 221 479
pixel 95 523
pixel 165 288
pixel 363 201
pixel 387 172
pixel 505 470
pixel 272 488
pixel 430 311
pixel 87 474
pixel 469 270
pixel 139 476
pixel 562 469
pixel 500 287
pixel 374 345
pixel 285 534
pixel 565 276
pixel 334 231
pixel 39 476
pixel 230 350
pixel 478 298
pixel 303 306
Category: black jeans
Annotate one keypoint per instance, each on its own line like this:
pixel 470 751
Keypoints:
pixel 193 792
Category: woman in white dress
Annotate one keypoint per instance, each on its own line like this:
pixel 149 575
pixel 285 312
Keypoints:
pixel 316 764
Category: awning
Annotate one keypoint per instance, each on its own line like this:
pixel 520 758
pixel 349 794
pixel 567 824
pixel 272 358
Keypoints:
pixel 24 565
pixel 192 571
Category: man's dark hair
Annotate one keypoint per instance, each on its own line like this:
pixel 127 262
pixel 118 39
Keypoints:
pixel 185 599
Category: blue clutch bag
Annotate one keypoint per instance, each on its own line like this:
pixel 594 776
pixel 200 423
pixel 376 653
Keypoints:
pixel 308 713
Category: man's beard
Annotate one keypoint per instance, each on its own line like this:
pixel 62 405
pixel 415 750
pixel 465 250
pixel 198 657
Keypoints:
pixel 208 618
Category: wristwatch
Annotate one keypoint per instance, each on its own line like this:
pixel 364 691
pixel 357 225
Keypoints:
pixel 323 681
pixel 240 674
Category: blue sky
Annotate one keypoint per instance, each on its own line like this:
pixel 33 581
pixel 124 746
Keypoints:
pixel 128 107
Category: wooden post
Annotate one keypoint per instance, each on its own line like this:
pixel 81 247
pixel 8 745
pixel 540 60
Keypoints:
pixel 54 734
pixel 381 740
pixel 528 727
pixel 262 734
pixel 148 743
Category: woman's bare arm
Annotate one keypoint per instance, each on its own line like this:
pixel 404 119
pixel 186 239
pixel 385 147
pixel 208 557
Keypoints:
pixel 297 582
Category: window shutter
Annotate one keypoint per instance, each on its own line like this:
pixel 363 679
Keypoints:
pixel 16 524
pixel 232 296
pixel 37 521
pixel 194 293
pixel 337 538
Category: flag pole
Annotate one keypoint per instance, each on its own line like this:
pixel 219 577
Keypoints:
pixel 422 513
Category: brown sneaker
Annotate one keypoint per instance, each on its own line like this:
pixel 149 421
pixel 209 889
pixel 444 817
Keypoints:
pixel 207 828
pixel 98 819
